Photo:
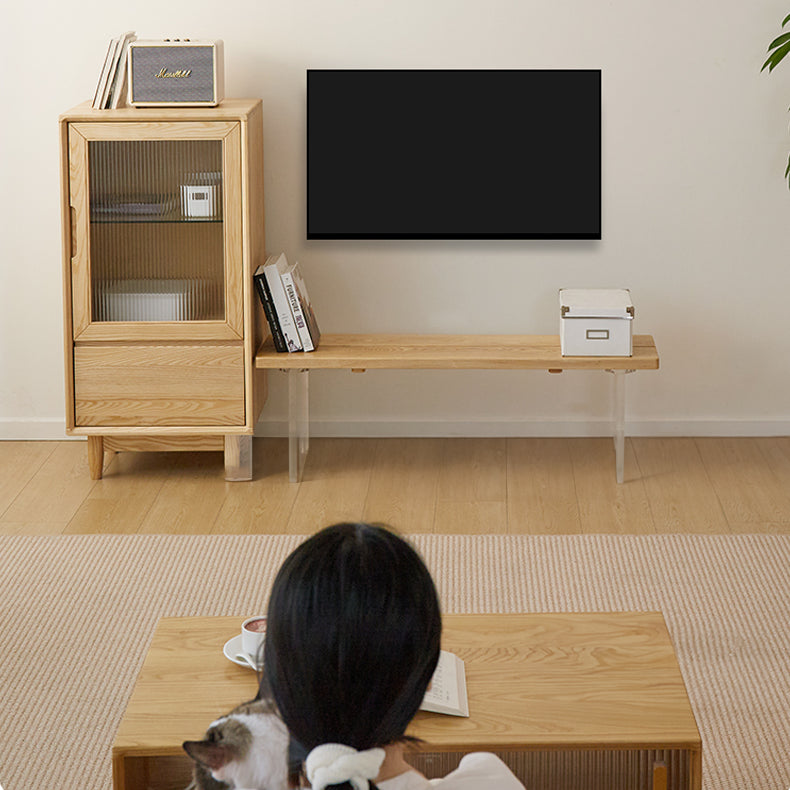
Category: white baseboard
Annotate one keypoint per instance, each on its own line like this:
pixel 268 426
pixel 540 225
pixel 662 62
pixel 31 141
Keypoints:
pixel 34 430
pixel 49 430
pixel 537 428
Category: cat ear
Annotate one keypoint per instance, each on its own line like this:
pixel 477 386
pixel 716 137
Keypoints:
pixel 213 755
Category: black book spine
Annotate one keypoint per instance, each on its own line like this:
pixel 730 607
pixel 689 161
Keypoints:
pixel 271 315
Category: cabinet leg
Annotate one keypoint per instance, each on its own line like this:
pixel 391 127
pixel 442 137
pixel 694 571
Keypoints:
pixel 95 456
pixel 238 457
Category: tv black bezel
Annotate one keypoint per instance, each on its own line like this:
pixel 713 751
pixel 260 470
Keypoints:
pixel 459 236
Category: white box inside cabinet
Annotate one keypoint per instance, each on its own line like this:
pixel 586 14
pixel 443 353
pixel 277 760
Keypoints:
pixel 596 322
pixel 152 300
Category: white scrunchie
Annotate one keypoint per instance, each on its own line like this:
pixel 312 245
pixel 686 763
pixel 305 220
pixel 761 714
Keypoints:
pixel 333 763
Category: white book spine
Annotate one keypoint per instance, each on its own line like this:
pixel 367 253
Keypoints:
pixel 282 306
pixel 119 83
pixel 296 308
pixel 105 97
pixel 105 70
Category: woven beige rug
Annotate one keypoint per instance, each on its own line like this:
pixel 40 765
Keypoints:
pixel 64 685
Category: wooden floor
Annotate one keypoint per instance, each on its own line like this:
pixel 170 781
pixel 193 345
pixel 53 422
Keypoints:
pixel 526 486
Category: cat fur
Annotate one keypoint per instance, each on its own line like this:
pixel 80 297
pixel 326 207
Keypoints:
pixel 244 750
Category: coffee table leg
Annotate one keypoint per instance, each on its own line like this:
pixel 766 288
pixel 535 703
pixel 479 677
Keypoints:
pixel 298 422
pixel 127 773
pixel 695 770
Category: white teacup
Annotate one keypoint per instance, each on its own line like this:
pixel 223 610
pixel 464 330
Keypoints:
pixel 253 634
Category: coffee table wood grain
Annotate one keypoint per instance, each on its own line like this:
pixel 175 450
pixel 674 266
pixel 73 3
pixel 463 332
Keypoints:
pixel 564 682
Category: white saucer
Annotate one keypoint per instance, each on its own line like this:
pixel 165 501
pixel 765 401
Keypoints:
pixel 232 648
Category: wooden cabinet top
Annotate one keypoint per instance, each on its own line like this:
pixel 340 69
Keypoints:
pixel 228 110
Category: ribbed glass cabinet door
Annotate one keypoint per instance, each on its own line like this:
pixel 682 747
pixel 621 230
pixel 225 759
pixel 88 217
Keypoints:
pixel 156 234
pixel 156 228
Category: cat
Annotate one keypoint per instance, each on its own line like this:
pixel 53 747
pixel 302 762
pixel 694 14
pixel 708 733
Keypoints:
pixel 243 750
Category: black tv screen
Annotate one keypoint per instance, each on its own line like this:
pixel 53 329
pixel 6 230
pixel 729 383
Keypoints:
pixel 453 154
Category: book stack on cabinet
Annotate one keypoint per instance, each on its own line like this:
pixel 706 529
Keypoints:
pixel 286 304
pixel 113 79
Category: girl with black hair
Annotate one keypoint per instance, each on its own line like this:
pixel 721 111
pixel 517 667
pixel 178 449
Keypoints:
pixel 352 642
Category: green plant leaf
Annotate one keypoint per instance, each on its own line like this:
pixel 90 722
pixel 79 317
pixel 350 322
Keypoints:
pixel 779 40
pixel 776 57
pixel 785 20
pixel 787 171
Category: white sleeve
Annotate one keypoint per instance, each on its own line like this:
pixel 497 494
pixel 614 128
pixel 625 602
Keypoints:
pixel 479 771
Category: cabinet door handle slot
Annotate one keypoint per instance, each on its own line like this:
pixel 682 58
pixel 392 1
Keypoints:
pixel 73 232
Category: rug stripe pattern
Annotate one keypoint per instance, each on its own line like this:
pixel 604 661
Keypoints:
pixel 64 682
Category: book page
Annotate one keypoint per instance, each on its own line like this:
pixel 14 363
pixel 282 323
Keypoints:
pixel 447 692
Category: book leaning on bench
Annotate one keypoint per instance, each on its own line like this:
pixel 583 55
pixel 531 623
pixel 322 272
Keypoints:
pixel 265 295
pixel 286 304
pixel 302 309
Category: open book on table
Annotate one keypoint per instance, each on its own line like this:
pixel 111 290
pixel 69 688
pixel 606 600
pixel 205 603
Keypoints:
pixel 447 692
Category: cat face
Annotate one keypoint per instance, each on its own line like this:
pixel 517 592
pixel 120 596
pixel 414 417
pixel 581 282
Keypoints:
pixel 243 750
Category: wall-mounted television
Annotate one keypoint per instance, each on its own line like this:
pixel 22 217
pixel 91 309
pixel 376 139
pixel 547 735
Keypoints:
pixel 454 154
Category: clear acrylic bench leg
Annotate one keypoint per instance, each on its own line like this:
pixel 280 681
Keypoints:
pixel 618 422
pixel 298 422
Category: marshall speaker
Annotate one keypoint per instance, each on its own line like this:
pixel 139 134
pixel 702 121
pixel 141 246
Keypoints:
pixel 176 72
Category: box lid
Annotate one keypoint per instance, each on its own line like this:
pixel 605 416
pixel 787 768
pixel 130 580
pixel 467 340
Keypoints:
pixel 596 303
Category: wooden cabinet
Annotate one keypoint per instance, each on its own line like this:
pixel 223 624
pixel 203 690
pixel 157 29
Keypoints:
pixel 163 227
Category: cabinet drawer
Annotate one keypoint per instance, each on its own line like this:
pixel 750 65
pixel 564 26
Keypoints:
pixel 142 385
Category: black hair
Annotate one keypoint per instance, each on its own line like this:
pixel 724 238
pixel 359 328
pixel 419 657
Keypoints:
pixel 352 638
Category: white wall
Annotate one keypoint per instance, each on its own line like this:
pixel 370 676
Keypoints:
pixel 696 216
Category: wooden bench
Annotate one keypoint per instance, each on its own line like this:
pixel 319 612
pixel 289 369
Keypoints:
pixel 442 352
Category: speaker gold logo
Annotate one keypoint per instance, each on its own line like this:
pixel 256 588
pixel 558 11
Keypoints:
pixel 178 74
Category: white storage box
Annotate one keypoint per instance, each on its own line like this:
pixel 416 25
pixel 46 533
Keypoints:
pixel 595 322
pixel 150 300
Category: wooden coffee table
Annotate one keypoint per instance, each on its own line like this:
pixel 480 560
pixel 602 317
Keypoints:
pixel 596 695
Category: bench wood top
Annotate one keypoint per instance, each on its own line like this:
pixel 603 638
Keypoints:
pixel 462 352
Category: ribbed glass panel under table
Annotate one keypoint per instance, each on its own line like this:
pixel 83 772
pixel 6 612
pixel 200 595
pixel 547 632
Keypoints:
pixel 156 230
